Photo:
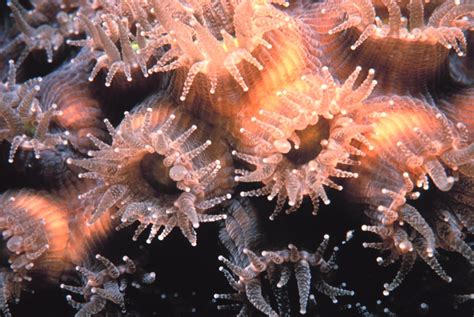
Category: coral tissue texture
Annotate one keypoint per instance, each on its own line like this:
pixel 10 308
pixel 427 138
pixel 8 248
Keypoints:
pixel 330 144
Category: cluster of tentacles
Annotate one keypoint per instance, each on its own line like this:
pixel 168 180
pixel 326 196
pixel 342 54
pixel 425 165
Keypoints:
pixel 156 173
pixel 104 285
pixel 240 236
pixel 170 113
pixel 314 109
pixel 25 123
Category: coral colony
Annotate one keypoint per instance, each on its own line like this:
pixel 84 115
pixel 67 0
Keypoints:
pixel 228 102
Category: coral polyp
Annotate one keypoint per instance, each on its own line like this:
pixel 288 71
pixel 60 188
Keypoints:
pixel 304 109
pixel 105 51
pixel 421 142
pixel 444 25
pixel 274 263
pixel 156 173
pixel 123 120
pixel 203 45
pixel 34 227
pixel 418 35
pixel 24 122
pixel 42 37
pixel 104 285
pixel 416 149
